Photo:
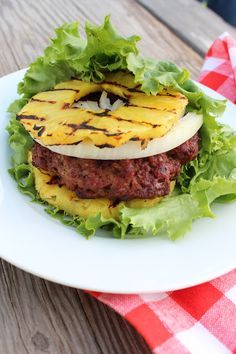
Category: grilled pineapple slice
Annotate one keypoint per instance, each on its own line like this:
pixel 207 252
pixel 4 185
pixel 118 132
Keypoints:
pixel 64 199
pixel 51 118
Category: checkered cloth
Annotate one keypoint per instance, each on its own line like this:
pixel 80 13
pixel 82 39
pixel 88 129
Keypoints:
pixel 201 319
pixel 219 69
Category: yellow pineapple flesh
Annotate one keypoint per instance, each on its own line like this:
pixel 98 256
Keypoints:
pixel 51 118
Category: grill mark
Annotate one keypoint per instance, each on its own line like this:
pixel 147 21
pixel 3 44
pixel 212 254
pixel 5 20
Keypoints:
pixel 37 127
pixel 115 84
pixel 65 89
pixel 104 146
pixel 144 143
pixel 75 143
pixel 135 139
pixel 153 108
pixel 102 114
pixel 105 114
pixel 40 132
pixel 89 110
pixel 133 122
pixel 77 107
pixel 85 125
pixel 38 100
pixel 134 89
pixel 29 117
pixel 167 94
pixel 114 134
pixel 66 105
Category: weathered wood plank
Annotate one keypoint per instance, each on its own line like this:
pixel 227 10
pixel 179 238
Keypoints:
pixel 37 316
pixel 26 27
pixel 190 20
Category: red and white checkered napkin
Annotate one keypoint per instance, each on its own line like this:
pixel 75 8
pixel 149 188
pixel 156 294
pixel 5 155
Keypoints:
pixel 219 69
pixel 201 319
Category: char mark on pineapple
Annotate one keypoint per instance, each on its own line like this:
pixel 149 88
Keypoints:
pixel 142 178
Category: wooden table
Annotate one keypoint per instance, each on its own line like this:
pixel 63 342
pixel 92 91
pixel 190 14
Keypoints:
pixel 37 316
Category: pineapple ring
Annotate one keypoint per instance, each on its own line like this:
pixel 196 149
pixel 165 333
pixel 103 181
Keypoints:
pixel 52 120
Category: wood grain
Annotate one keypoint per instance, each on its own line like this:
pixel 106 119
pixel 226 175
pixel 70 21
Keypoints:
pixel 190 20
pixel 37 316
pixel 27 25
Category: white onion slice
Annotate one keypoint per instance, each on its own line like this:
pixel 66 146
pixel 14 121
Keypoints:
pixel 104 103
pixel 91 105
pixel 117 104
pixel 186 127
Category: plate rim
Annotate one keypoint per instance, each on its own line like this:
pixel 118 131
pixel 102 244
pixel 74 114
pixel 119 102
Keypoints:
pixel 208 278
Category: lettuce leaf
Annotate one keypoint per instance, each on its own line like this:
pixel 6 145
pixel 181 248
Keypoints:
pixel 174 216
pixel 154 75
pixel 210 177
pixel 69 55
pixel 105 51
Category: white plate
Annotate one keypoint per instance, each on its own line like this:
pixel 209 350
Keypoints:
pixel 33 241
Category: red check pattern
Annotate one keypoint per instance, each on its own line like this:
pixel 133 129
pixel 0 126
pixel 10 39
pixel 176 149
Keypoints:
pixel 201 319
pixel 219 69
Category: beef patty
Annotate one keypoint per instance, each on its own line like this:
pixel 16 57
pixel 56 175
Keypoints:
pixel 116 180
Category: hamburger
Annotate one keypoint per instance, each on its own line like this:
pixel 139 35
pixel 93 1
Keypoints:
pixel 95 148
pixel 112 138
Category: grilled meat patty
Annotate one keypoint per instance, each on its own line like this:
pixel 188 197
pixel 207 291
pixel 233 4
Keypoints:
pixel 116 179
